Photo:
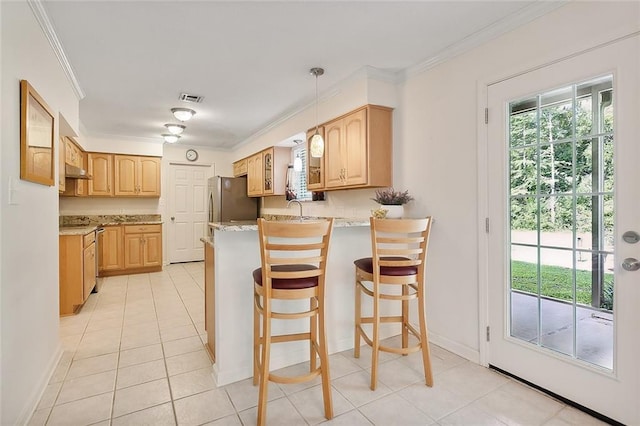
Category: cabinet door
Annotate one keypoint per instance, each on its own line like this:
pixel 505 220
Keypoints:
pixel 125 175
pixel 315 165
pixel 110 247
pixel 100 166
pixel 152 249
pixel 355 148
pixel 133 251
pixel 334 167
pixel 240 168
pixel 61 161
pixel 254 175
pixel 89 270
pixel 267 172
pixel 148 182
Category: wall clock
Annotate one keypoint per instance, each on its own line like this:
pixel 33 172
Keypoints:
pixel 192 155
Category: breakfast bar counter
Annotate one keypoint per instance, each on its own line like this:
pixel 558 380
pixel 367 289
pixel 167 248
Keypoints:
pixel 236 253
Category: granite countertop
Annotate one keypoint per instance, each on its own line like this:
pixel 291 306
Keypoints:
pixel 76 230
pixel 251 225
pixel 83 224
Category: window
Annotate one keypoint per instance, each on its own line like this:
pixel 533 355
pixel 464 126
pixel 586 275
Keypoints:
pixel 300 180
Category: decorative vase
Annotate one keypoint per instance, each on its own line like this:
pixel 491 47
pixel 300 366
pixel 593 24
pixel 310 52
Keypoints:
pixel 394 212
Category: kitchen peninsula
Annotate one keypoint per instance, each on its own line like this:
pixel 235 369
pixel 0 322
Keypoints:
pixel 235 254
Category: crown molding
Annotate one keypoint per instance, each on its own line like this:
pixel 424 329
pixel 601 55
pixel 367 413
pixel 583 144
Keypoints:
pixel 39 11
pixel 513 21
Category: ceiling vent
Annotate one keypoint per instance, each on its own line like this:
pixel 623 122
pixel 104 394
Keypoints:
pixel 191 98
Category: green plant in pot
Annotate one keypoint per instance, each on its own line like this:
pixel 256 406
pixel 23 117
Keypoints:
pixel 392 201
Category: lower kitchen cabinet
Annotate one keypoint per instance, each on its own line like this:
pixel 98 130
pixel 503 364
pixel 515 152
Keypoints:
pixel 77 270
pixel 130 249
pixel 142 246
pixel 111 249
pixel 209 300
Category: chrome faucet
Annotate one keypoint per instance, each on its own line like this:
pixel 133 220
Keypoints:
pixel 299 204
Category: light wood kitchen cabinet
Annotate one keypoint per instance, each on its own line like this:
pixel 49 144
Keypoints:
pixel 358 149
pixel 210 299
pixel 77 273
pixel 315 165
pixel 111 247
pixel 142 246
pixel 254 175
pixel 136 176
pixel 267 171
pixel 100 166
pixel 61 162
pixel 240 168
pixel 75 156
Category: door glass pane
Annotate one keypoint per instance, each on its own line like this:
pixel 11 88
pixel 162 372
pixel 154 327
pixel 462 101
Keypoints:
pixel 562 220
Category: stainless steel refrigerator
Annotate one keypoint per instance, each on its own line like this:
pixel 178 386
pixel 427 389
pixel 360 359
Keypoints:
pixel 228 200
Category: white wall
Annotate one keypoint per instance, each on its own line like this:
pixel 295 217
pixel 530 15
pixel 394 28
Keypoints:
pixel 29 225
pixel 435 154
pixel 435 148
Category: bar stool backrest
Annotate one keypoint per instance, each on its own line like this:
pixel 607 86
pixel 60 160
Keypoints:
pixel 294 243
pixel 400 243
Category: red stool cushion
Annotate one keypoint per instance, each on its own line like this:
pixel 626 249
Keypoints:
pixel 366 264
pixel 285 283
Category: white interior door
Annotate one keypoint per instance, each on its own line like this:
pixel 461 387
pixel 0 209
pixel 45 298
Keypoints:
pixel 563 188
pixel 187 210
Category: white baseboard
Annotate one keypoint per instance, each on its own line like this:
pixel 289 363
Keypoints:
pixel 471 354
pixel 32 403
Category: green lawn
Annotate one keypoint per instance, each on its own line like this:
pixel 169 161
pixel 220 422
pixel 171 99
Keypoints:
pixel 556 283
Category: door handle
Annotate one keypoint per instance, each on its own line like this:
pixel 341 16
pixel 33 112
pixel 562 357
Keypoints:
pixel 630 264
pixel 173 218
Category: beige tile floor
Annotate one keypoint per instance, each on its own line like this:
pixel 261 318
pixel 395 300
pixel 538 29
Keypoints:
pixel 134 355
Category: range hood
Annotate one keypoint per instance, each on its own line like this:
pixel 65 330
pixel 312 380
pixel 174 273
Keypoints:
pixel 74 172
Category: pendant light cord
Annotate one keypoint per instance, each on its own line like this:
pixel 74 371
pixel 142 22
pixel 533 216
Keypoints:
pixel 317 102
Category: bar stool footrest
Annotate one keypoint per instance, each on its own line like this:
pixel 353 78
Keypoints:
pixel 295 379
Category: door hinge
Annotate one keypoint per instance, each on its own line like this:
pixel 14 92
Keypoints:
pixel 486 116
pixel 486 225
pixel 488 334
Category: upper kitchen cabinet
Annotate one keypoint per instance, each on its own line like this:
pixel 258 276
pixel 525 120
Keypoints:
pixel 240 168
pixel 315 165
pixel 136 176
pixel 75 156
pixel 100 166
pixel 358 149
pixel 275 163
pixel 61 163
pixel 267 171
pixel 254 175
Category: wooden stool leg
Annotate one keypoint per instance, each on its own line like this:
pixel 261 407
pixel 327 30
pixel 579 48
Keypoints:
pixel 324 363
pixel 313 331
pixel 405 318
pixel 256 340
pixel 358 316
pixel 375 336
pixel 264 366
pixel 424 336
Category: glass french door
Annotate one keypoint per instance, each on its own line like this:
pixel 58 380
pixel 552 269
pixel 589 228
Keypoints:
pixel 563 188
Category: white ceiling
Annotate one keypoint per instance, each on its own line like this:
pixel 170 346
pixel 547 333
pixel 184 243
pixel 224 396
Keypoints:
pixel 250 60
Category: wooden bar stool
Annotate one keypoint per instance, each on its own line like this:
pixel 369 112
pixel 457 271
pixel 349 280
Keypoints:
pixel 294 261
pixel 399 248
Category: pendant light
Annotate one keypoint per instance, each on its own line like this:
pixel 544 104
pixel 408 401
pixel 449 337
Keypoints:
pixel 316 144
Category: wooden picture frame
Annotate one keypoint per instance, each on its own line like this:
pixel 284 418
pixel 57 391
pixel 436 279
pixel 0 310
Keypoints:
pixel 37 148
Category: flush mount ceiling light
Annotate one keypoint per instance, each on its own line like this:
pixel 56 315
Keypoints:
pixel 175 129
pixel 183 114
pixel 316 144
pixel 170 138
